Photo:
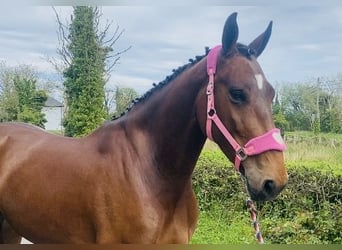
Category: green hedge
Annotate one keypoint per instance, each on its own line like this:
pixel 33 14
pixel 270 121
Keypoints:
pixel 309 210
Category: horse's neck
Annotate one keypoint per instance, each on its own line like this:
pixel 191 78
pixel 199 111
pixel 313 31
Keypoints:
pixel 169 117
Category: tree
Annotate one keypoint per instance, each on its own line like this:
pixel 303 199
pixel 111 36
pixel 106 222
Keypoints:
pixel 315 105
pixel 88 59
pixel 278 115
pixel 297 106
pixel 20 100
pixel 84 81
pixel 123 98
pixel 330 104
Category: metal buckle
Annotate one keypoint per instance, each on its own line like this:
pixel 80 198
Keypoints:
pixel 241 154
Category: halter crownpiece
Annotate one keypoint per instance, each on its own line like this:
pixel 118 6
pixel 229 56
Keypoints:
pixel 271 140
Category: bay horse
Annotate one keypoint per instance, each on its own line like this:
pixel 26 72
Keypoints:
pixel 130 180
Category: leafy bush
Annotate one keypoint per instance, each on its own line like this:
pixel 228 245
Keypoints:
pixel 215 181
pixel 309 210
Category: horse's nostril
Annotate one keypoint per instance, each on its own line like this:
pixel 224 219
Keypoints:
pixel 269 187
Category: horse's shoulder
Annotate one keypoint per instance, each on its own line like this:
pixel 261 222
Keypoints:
pixel 106 137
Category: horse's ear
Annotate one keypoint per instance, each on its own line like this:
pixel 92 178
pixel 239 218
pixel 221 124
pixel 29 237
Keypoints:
pixel 230 34
pixel 259 43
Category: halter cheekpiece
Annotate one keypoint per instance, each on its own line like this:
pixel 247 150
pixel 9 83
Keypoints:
pixel 271 140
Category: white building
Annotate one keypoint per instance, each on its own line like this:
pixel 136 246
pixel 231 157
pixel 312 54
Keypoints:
pixel 53 111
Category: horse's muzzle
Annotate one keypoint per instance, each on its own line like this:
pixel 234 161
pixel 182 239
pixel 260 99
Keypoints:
pixel 269 191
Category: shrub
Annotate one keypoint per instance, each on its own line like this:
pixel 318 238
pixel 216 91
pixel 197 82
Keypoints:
pixel 215 181
pixel 309 210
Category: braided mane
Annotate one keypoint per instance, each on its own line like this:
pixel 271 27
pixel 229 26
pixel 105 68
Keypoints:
pixel 242 49
pixel 166 81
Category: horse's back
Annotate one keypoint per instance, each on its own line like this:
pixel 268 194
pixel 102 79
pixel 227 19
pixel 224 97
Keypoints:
pixel 22 144
pixel 15 142
pixel 20 135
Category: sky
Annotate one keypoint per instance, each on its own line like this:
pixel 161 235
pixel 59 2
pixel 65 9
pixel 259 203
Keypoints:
pixel 306 40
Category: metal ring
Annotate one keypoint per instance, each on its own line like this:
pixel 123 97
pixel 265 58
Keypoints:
pixel 211 113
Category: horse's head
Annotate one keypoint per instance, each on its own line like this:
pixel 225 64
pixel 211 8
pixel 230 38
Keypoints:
pixel 239 115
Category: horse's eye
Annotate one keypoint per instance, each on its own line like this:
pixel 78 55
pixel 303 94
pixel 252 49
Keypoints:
pixel 237 96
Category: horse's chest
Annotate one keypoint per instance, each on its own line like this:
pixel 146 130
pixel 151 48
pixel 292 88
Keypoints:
pixel 148 224
pixel 171 224
pixel 164 226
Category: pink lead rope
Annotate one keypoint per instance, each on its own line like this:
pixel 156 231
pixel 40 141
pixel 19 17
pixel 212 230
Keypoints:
pixel 271 140
pixel 253 212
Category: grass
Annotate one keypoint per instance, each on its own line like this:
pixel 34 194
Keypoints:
pixel 56 132
pixel 323 151
pixel 220 226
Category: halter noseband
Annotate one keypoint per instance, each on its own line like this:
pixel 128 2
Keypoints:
pixel 271 140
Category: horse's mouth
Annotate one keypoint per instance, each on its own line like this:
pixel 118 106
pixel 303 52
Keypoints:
pixel 258 195
pixel 268 190
pixel 265 194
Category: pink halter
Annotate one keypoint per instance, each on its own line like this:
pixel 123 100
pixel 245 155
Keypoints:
pixel 271 140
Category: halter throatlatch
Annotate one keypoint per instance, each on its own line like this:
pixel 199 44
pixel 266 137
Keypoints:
pixel 271 140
